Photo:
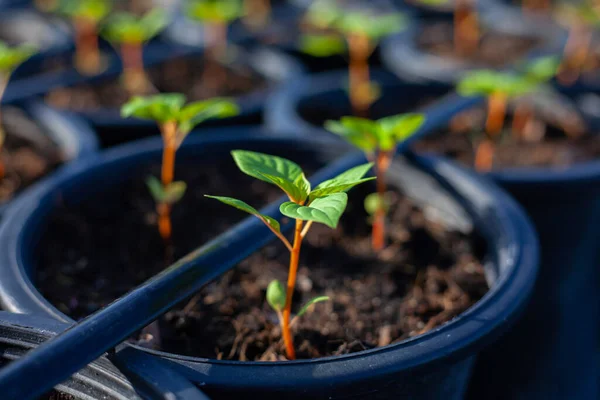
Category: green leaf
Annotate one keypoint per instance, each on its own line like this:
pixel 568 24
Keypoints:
pixel 12 57
pixel 326 210
pixel 276 295
pixel 271 169
pixel 361 132
pixel 200 111
pixel 125 27
pixel 542 69
pixel 374 26
pixel 343 182
pixel 316 300
pixel 156 189
pixel 322 45
pixel 373 202
pixel 398 128
pixel 174 191
pixel 161 108
pixel 211 11
pixel 240 205
pixel 94 10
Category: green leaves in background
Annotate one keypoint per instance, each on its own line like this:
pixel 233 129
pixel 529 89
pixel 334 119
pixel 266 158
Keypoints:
pixel 488 82
pixel 323 45
pixel 12 57
pixel 383 134
pixel 94 10
pixel 169 194
pixel 325 210
pixel 214 11
pixel 542 69
pixel 240 205
pixel 128 28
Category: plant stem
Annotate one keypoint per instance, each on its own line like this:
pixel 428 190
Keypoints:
pixel 169 133
pixel 378 234
pixel 358 72
pixel 257 12
pixel 484 156
pixel 521 117
pixel 496 113
pixel 466 28
pixel 575 55
pixel 87 53
pixel 291 284
pixel 133 68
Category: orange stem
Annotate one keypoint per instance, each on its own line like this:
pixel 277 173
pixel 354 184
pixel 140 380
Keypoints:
pixel 378 234
pixel 358 71
pixel 496 113
pixel 575 54
pixel 520 120
pixel 484 156
pixel 87 52
pixel 169 133
pixel 291 284
pixel 466 28
pixel 133 68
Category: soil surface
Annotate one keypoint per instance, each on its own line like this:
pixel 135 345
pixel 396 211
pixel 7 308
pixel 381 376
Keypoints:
pixel 554 149
pixel 495 49
pixel 26 155
pixel 426 277
pixel 197 78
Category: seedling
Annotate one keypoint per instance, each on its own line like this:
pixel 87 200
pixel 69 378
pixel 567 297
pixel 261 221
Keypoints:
pixel 10 59
pixel 581 18
pixel 499 88
pixel 362 30
pixel 130 33
pixel 175 119
pixel 466 27
pixel 86 16
pixel 324 204
pixel 379 140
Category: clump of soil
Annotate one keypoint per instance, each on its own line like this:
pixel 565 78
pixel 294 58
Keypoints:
pixel 26 155
pixel 554 149
pixel 182 75
pixel 496 49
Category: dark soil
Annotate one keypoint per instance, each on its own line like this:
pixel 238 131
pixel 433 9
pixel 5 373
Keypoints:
pixel 182 75
pixel 555 149
pixel 27 154
pixel 495 49
pixel 426 277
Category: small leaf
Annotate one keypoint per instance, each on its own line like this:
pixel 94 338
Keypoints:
pixel 326 210
pixel 543 69
pixel 240 205
pixel 373 202
pixel 322 45
pixel 161 108
pixel 361 132
pixel 398 128
pixel 200 111
pixel 276 295
pixel 156 189
pixel 124 27
pixel 94 10
pixel 174 191
pixel 12 57
pixel 211 11
pixel 271 169
pixel 343 182
pixel 316 300
pixel 303 186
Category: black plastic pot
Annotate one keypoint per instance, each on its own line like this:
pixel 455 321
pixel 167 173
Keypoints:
pixel 302 105
pixel 432 366
pixel 401 54
pixel 145 377
pixel 74 137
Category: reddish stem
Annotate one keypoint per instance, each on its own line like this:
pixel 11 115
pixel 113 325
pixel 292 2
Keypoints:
pixel 133 68
pixel 466 28
pixel 378 234
pixel 169 133
pixel 291 285
pixel 87 53
pixel 359 50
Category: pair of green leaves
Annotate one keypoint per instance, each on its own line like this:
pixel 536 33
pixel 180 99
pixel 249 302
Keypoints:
pixel 93 10
pixel 322 45
pixel 128 28
pixel 172 107
pixel 12 57
pixel 382 134
pixel 276 298
pixel 214 11
pixel 324 204
pixel 169 194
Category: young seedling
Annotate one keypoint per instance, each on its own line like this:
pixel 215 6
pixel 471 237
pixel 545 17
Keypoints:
pixel 362 30
pixel 466 27
pixel 86 16
pixel 10 59
pixel 379 140
pixel 499 88
pixel 324 204
pixel 581 19
pixel 130 33
pixel 175 119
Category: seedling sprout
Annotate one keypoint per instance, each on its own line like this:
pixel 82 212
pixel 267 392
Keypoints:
pixel 10 59
pixel 324 204
pixel 379 140
pixel 130 33
pixel 86 16
pixel 175 119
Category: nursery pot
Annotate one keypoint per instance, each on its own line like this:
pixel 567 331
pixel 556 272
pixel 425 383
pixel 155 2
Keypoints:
pixel 72 136
pixel 431 366
pixel 138 376
pixel 402 54
pixel 304 104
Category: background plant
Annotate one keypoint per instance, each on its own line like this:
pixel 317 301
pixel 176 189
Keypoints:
pixel 10 59
pixel 130 33
pixel 176 119
pixel 324 204
pixel 379 140
pixel 86 16
pixel 466 27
